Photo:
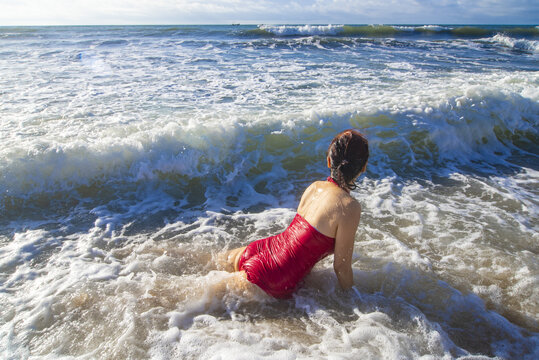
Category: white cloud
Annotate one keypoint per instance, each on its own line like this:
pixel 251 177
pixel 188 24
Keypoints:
pixel 266 11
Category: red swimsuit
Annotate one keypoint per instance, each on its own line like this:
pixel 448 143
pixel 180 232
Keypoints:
pixel 278 263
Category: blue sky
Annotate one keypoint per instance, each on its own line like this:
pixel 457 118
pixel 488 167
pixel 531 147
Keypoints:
pixel 82 12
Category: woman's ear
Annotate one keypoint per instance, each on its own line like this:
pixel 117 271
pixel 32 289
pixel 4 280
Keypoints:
pixel 329 162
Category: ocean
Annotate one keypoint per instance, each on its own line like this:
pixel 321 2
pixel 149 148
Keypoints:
pixel 131 156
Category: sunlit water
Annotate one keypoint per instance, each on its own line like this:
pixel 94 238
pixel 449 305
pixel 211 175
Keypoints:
pixel 130 157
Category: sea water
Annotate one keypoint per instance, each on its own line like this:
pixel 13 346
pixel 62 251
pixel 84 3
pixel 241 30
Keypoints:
pixel 130 157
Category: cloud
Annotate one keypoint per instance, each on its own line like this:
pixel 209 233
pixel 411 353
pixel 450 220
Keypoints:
pixel 266 11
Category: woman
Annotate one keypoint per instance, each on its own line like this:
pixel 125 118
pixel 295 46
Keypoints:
pixel 326 222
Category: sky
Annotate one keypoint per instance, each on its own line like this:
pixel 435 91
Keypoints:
pixel 122 12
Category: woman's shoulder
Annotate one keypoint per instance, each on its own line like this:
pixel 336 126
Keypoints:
pixel 339 197
pixel 352 205
pixel 315 186
pixel 349 203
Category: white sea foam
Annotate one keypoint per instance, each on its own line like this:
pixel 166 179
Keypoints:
pixel 287 30
pixel 383 326
pixel 517 44
pixel 435 27
pixel 141 152
pixel 423 27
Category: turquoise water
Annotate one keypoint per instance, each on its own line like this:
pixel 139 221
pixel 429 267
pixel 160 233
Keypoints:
pixel 131 156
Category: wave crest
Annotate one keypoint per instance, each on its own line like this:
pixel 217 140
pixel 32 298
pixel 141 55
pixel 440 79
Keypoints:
pixel 516 44
pixel 305 30
pixel 392 30
pixel 234 160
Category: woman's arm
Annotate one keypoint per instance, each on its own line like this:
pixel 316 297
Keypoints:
pixel 344 245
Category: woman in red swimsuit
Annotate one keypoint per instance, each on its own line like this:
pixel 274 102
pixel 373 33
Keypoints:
pixel 325 223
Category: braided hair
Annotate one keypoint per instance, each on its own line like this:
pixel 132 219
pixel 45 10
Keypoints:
pixel 348 153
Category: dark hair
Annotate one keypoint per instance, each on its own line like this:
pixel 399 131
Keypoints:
pixel 348 152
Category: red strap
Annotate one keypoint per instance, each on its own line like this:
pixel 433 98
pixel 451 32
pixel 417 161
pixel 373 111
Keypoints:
pixel 330 179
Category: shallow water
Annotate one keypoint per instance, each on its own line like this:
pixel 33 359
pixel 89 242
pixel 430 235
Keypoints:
pixel 130 157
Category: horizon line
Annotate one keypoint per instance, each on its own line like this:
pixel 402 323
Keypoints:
pixel 276 23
